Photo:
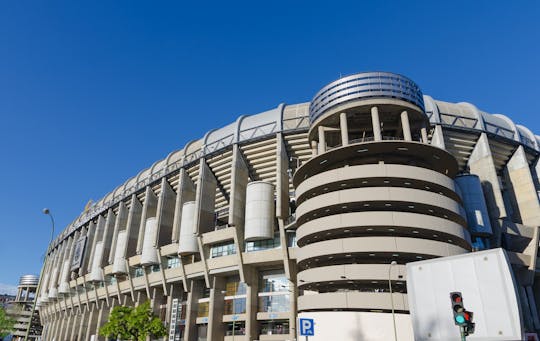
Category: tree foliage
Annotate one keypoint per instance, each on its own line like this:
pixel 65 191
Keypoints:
pixel 6 323
pixel 136 324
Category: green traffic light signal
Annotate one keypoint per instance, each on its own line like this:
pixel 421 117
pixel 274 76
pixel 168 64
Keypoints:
pixel 460 319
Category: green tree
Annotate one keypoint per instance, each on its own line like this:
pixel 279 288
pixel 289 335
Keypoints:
pixel 129 323
pixel 6 323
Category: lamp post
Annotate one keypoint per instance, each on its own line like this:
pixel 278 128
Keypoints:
pixel 47 212
pixel 392 298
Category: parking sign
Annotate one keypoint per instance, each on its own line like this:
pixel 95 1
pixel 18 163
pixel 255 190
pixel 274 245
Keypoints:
pixel 307 327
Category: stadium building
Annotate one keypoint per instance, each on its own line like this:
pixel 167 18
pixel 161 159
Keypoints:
pixel 306 208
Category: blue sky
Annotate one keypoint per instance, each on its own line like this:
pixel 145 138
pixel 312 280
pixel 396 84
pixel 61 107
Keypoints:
pixel 93 92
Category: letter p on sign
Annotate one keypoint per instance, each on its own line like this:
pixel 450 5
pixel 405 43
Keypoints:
pixel 307 327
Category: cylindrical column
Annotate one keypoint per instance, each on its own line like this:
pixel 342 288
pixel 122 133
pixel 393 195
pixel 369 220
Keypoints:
pixel 96 274
pixel 260 212
pixel 322 140
pixel 149 255
pixel 376 124
pixel 406 126
pixel 187 243
pixel 119 263
pixel 344 129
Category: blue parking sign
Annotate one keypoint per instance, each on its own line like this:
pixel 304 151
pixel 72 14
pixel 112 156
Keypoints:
pixel 307 327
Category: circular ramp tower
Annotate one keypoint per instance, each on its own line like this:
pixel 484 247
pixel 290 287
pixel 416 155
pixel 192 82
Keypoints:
pixel 373 197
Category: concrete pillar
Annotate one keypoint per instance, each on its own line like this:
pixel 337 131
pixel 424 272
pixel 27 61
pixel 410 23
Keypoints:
pixel 322 140
pixel 216 328
pixel 103 314
pixel 148 210
pixel 133 225
pixel 65 326
pixel 482 164
pixel 344 129
pixel 205 199
pixel 185 193
pixel 91 322
pixel 190 332
pixel 119 224
pixel 165 213
pixel 252 297
pixel 376 123
pixel 314 148
pixel 524 188
pixel 423 132
pixel 405 126
pixel 83 325
pixel 74 328
pixel 282 181
pixel 437 139
pixel 239 181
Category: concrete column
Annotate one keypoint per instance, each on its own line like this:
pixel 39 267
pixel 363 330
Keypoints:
pixel 165 213
pixel 405 126
pixel 52 334
pixel 65 327
pixel 437 139
pixel 205 199
pixel 91 322
pixel 190 332
pixel 83 325
pixel 148 210
pixel 74 327
pixel 119 224
pixel 376 123
pixel 482 164
pixel 282 180
pixel 252 290
pixel 524 188
pixel 322 140
pixel 344 129
pixel 423 132
pixel 133 225
pixel 239 181
pixel 314 148
pixel 216 328
pixel 103 314
pixel 185 193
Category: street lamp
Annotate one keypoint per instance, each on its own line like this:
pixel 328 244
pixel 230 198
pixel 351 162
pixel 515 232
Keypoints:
pixel 392 298
pixel 47 212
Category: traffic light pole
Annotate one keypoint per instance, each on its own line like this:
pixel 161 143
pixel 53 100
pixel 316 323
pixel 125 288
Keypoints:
pixel 463 334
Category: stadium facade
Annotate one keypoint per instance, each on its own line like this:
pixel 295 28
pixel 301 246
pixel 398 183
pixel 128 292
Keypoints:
pixel 312 207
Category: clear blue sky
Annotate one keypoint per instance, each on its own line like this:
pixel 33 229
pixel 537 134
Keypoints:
pixel 93 92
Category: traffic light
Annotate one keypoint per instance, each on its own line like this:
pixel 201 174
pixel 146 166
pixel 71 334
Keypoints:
pixel 462 317
pixel 457 308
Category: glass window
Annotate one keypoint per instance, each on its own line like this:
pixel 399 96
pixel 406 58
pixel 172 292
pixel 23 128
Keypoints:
pixel 223 249
pixel 274 327
pixel 264 244
pixel 173 262
pixel 156 268
pixel 234 287
pixel 235 306
pixel 272 281
pixel 291 239
pixel 202 309
pixel 239 328
pixel 138 272
pixel 274 303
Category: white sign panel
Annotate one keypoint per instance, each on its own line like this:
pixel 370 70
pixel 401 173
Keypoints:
pixel 486 283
